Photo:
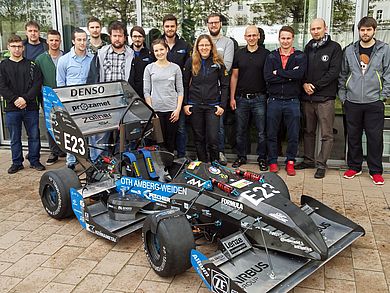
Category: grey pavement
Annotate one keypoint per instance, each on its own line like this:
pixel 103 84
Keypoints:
pixel 41 254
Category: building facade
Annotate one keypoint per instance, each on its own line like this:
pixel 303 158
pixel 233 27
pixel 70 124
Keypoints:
pixel 341 17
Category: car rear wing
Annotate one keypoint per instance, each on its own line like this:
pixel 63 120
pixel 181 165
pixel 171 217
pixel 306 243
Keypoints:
pixel 74 112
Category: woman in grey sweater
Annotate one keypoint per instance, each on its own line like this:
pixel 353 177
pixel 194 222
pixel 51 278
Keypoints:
pixel 163 91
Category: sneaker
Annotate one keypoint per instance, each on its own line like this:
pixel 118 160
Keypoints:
pixel 263 165
pixel 237 163
pixel 52 159
pixel 320 173
pixel 222 159
pixel 304 165
pixel 15 168
pixel 377 179
pixel 38 166
pixel 273 168
pixel 349 174
pixel 290 168
pixel 62 155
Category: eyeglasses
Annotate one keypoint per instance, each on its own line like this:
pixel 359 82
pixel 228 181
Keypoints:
pixel 213 22
pixel 16 47
pixel 137 36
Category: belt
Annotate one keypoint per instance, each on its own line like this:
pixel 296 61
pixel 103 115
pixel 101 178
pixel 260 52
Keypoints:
pixel 250 96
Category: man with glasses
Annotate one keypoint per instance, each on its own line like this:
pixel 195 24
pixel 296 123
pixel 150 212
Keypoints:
pixel 34 45
pixel 142 57
pixel 179 52
pixel 20 85
pixel 225 49
pixel 248 96
pixel 95 40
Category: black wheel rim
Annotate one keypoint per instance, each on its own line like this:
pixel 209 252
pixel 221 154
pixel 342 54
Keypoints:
pixel 51 197
pixel 154 246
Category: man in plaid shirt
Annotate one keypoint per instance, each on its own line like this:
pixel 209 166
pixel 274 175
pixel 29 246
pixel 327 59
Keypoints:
pixel 111 63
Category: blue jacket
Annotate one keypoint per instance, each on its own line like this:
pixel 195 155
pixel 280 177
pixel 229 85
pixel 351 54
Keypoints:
pixel 287 83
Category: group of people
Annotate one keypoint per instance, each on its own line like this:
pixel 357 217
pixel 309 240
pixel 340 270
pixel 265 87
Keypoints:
pixel 197 85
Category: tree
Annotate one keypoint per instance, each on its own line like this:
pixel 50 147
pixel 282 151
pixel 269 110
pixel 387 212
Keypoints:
pixel 13 11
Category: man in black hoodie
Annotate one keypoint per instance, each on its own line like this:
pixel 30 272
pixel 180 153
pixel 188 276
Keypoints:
pixel 320 88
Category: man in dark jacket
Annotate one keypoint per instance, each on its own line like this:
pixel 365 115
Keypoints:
pixel 34 45
pixel 20 85
pixel 320 86
pixel 284 70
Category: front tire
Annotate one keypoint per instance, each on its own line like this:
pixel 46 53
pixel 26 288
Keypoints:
pixel 54 191
pixel 168 251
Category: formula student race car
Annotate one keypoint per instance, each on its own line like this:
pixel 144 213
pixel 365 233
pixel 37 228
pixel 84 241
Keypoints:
pixel 263 242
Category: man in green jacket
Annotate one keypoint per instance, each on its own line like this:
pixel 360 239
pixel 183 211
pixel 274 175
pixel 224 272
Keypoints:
pixel 47 62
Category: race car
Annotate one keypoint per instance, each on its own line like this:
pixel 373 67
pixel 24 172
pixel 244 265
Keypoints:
pixel 262 241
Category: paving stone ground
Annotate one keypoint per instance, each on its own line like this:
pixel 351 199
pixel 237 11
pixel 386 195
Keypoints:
pixel 40 254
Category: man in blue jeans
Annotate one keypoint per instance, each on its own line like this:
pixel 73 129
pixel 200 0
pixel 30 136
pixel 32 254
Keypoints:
pixel 248 96
pixel 20 85
pixel 283 71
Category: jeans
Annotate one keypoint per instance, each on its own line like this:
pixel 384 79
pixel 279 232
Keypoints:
pixel 98 140
pixel 221 133
pixel 288 111
pixel 181 136
pixel 245 107
pixel 323 114
pixel 14 121
pixel 205 125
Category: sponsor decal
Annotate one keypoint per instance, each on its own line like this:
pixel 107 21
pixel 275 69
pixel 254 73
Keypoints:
pixel 231 203
pixel 259 193
pixel 250 276
pixel 220 283
pixel 97 117
pixel 148 194
pixel 323 226
pixel 195 182
pixel 206 213
pixel 149 163
pixel 92 229
pixel 214 170
pixel 241 183
pixel 91 90
pixel 152 185
pixel 196 260
pixel 87 106
pixel 279 216
pixel 193 165
pixel 223 176
pixel 325 58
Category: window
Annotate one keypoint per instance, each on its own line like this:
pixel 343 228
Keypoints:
pixel 379 15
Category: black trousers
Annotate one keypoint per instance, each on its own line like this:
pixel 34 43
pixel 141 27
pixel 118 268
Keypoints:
pixel 169 130
pixel 370 118
pixel 205 126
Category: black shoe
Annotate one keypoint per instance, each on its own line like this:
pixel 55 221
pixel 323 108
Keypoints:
pixel 263 165
pixel 61 155
pixel 52 159
pixel 15 168
pixel 320 173
pixel 237 163
pixel 38 166
pixel 71 166
pixel 304 165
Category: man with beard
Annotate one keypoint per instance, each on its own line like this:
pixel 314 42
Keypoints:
pixel 111 63
pixel 142 57
pixel 364 84
pixel 320 86
pixel 95 41
pixel 72 69
pixel 47 62
pixel 225 49
pixel 179 52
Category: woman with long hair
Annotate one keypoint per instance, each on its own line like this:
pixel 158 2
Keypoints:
pixel 206 84
pixel 163 91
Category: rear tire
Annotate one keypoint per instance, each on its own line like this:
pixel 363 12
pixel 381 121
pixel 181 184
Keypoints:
pixel 54 191
pixel 168 251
